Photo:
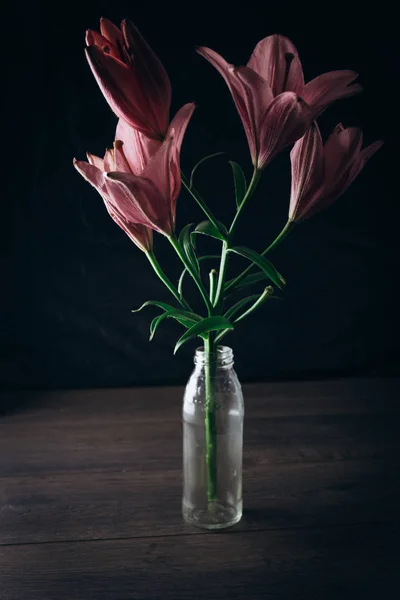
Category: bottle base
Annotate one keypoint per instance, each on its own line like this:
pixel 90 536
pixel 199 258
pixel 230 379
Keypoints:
pixel 212 516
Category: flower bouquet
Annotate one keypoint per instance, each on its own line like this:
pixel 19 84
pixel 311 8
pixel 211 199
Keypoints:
pixel 139 180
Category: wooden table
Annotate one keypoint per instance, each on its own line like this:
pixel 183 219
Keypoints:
pixel 90 490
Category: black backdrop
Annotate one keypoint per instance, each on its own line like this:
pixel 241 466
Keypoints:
pixel 71 276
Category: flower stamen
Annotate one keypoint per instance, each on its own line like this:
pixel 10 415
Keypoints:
pixel 288 58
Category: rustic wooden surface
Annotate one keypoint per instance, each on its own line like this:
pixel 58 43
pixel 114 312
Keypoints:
pixel 90 488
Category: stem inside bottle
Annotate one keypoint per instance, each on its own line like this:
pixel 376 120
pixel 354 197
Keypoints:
pixel 210 417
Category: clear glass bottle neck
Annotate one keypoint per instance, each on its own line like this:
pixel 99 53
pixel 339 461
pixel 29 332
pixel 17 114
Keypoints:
pixel 223 357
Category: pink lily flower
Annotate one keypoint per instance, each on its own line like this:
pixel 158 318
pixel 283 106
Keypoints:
pixel 275 105
pixel 275 59
pixel 139 179
pixel 131 77
pixel 93 171
pixel 320 174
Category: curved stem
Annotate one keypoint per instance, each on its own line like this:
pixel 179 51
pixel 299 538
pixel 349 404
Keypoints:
pixel 266 294
pixel 192 191
pixel 210 422
pixel 250 191
pixel 213 280
pixel 221 275
pixel 280 237
pixel 196 278
pixel 157 268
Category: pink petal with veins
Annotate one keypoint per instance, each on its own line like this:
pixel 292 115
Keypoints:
pixel 325 89
pixel 151 75
pixel 285 121
pixel 307 161
pixel 138 148
pixel 120 88
pixel 95 160
pixel 275 59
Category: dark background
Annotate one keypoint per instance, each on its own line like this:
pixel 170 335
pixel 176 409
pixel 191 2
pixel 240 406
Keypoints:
pixel 71 276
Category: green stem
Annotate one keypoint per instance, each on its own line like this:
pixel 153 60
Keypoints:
pixel 266 294
pixel 213 280
pixel 276 241
pixel 221 275
pixel 196 278
pixel 157 268
pixel 210 363
pixel 250 191
pixel 225 247
pixel 192 191
pixel 280 237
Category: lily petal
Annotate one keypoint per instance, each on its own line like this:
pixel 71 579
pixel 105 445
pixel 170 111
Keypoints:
pixel 341 151
pixel 167 180
pixel 93 38
pixel 111 32
pixel 363 158
pixel 343 140
pixel 217 61
pixel 347 162
pixel 256 95
pixel 109 160
pixel 228 72
pixel 95 161
pixel 177 130
pixel 241 83
pixel 92 174
pixel 275 59
pixel 320 92
pixel 180 122
pixel 285 121
pixel 307 161
pixel 120 160
pixel 115 159
pixel 370 150
pixel 139 234
pixel 138 148
pixel 120 88
pixel 150 73
pixel 139 200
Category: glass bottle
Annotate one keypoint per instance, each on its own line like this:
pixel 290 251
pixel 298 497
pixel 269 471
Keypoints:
pixel 213 412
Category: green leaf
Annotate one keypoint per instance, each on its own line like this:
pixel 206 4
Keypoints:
pixel 233 310
pixel 263 263
pixel 240 182
pixel 185 241
pixel 199 163
pixel 162 305
pixel 180 282
pixel 184 317
pixel 204 326
pixel 181 278
pixel 207 228
pixel 252 278
pixel 246 281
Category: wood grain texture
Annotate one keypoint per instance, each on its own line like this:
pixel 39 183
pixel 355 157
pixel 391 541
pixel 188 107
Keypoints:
pixel 84 506
pixel 90 489
pixel 352 562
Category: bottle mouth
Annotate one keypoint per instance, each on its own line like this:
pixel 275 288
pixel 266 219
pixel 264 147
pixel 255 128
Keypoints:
pixel 222 357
